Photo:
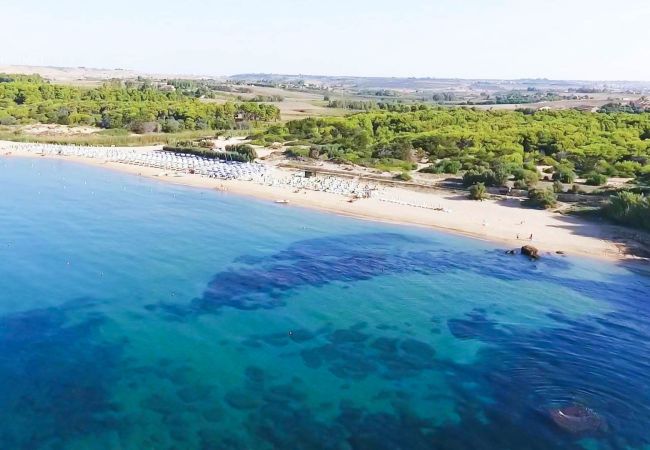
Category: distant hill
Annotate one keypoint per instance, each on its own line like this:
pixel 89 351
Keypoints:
pixel 70 74
pixel 81 75
pixel 437 84
pixel 88 74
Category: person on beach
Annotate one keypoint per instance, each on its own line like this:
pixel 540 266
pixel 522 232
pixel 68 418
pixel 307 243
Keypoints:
pixel 531 237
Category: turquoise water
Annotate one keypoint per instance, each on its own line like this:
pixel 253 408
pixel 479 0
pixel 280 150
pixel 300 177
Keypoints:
pixel 139 315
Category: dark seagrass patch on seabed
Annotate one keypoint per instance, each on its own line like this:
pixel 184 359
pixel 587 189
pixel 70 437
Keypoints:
pixel 57 374
pixel 263 282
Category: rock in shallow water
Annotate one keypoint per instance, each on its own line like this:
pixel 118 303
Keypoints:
pixel 578 419
pixel 530 251
pixel 193 394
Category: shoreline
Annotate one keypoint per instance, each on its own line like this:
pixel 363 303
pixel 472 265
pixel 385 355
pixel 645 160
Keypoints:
pixel 489 221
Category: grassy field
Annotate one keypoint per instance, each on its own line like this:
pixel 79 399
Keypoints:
pixel 296 104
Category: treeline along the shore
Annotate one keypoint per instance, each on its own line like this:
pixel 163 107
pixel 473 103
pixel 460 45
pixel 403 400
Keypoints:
pixel 141 108
pixel 569 142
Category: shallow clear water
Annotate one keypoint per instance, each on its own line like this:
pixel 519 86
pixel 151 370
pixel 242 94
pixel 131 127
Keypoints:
pixel 139 315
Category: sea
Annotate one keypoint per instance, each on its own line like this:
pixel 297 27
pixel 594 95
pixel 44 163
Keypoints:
pixel 136 314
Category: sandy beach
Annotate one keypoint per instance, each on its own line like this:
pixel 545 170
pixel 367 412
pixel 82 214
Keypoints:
pixel 501 221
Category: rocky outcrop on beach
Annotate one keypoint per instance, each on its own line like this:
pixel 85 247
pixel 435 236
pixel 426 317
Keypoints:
pixel 530 251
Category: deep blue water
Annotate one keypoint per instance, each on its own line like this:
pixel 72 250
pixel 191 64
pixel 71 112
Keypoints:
pixel 139 315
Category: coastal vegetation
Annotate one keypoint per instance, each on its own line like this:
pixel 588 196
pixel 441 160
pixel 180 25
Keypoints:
pixel 404 176
pixel 478 192
pixel 490 146
pixel 206 88
pixel 542 198
pixel 448 166
pixel 629 107
pixel 237 152
pixel 358 105
pixel 138 107
pixel 629 208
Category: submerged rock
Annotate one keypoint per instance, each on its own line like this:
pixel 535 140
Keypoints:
pixel 255 375
pixel 239 399
pixel 193 394
pixel 214 413
pixel 578 419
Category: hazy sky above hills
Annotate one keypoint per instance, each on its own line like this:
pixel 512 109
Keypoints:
pixel 567 39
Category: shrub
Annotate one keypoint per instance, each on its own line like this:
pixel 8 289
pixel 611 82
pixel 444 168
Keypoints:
pixel 8 120
pixel 445 166
pixel 627 169
pixel 596 179
pixel 478 192
pixel 171 125
pixel 472 177
pixel 558 187
pixel 548 161
pixel 449 166
pixel 297 151
pixel 246 150
pixel 520 184
pixel 529 177
pixel 530 165
pixel 486 176
pixel 602 166
pixel 564 174
pixel 141 127
pixel 404 176
pixel 500 176
pixel 629 208
pixel 400 149
pixel 542 198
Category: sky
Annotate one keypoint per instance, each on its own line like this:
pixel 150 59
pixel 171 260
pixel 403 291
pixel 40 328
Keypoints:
pixel 567 39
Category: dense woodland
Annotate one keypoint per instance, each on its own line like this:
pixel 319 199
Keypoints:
pixel 571 142
pixel 139 108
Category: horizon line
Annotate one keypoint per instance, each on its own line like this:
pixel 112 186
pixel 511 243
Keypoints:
pixel 317 75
